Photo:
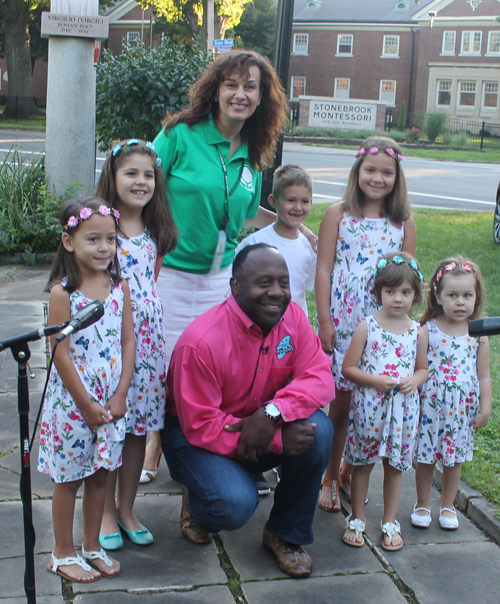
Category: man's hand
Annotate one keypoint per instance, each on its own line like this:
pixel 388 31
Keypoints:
pixel 297 437
pixel 257 433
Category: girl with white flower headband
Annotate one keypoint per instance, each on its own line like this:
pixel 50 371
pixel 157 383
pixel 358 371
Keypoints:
pixel 82 428
pixel 387 362
pixel 373 219
pixel 456 400
pixel 132 181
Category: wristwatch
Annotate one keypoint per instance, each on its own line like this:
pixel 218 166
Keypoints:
pixel 273 412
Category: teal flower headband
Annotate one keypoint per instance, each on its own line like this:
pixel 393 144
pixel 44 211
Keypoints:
pixel 134 141
pixel 383 262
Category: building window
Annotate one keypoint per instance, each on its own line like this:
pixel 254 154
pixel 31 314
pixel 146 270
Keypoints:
pixel 344 45
pixel 494 43
pixel 298 87
pixel 471 43
pixel 448 47
pixel 444 92
pixel 391 46
pixel 300 44
pixel 342 86
pixel 467 94
pixel 490 95
pixel 133 36
pixel 388 92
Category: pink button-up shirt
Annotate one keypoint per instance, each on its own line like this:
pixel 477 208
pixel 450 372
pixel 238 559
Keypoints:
pixel 223 370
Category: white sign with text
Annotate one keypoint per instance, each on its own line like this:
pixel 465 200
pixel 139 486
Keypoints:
pixel 347 114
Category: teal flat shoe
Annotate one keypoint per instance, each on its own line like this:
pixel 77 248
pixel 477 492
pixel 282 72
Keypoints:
pixel 139 537
pixel 111 542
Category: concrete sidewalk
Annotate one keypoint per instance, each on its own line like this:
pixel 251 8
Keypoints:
pixel 434 567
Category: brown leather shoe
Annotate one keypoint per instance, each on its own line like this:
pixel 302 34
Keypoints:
pixel 189 529
pixel 293 560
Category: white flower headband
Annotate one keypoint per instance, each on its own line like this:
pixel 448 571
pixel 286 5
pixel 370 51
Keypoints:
pixel 383 262
pixel 86 213
pixel 135 141
pixel 375 150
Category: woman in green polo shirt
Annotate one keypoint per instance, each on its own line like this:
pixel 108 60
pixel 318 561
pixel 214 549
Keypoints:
pixel 212 155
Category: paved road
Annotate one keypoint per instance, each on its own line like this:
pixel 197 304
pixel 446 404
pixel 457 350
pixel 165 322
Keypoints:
pixel 431 183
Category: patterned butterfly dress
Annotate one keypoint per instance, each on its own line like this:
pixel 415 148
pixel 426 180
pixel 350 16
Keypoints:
pixel 146 396
pixel 360 243
pixel 69 450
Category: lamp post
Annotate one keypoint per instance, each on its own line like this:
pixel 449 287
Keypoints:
pixel 432 15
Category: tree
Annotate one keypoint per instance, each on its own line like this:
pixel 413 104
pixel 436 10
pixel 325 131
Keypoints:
pixel 257 28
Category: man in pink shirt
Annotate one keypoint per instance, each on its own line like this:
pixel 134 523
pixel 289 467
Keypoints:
pixel 246 382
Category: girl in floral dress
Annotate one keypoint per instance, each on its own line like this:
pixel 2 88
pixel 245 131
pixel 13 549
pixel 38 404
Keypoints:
pixel 374 219
pixel 131 180
pixel 387 361
pixel 457 397
pixel 82 430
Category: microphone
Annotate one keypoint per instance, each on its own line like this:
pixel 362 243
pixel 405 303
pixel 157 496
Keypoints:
pixel 31 336
pixel 485 327
pixel 87 316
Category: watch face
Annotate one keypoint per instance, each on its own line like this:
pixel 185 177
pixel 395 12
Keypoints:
pixel 272 410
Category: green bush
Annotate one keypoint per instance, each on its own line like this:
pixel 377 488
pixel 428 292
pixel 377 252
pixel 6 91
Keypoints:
pixel 350 134
pixel 435 125
pixel 461 139
pixel 412 135
pixel 448 138
pixel 29 215
pixel 136 89
pixel 402 117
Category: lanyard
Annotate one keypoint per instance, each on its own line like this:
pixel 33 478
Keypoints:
pixel 226 200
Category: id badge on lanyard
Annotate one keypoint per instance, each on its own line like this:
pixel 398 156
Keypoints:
pixel 221 241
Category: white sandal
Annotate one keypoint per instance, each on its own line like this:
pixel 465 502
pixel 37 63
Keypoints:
pixel 358 526
pixel 391 529
pixel 57 562
pixel 103 556
pixel 448 524
pixel 421 521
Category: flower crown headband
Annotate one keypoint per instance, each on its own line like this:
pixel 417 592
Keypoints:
pixel 86 213
pixel 448 269
pixel 375 150
pixel 131 142
pixel 383 262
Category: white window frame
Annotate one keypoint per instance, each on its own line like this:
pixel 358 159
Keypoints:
pixel 390 55
pixel 301 48
pixel 381 91
pixel 483 94
pixel 132 36
pixel 340 92
pixel 492 34
pixel 442 89
pixel 471 38
pixel 448 51
pixel 344 54
pixel 292 86
pixel 462 84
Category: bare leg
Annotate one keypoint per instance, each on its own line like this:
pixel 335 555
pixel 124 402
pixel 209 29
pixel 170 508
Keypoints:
pixel 128 479
pixel 393 479
pixel 109 522
pixel 153 452
pixel 423 478
pixel 359 489
pixel 93 508
pixel 345 478
pixel 451 480
pixel 339 415
pixel 63 512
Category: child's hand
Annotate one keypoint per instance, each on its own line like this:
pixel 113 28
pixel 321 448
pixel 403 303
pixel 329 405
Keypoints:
pixel 95 416
pixel 384 383
pixel 408 385
pixel 326 334
pixel 480 421
pixel 117 405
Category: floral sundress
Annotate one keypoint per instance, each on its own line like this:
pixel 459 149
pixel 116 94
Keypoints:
pixel 69 450
pixel 360 244
pixel 449 400
pixel 146 396
pixel 384 424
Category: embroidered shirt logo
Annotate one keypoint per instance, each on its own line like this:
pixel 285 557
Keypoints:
pixel 246 180
pixel 283 347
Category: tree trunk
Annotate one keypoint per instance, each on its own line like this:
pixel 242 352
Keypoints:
pixel 15 15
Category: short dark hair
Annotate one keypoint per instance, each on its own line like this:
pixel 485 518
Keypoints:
pixel 393 274
pixel 243 254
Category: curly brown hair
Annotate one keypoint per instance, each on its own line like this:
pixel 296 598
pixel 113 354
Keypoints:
pixel 264 126
pixel 434 309
pixel 397 207
pixel 395 272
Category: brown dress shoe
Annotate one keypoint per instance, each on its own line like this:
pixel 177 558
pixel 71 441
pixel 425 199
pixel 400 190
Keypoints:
pixel 293 560
pixel 189 529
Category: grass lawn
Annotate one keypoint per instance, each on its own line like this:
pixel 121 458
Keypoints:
pixel 445 233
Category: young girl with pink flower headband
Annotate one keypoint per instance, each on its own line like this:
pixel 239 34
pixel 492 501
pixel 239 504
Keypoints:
pixel 456 399
pixel 82 428
pixel 373 219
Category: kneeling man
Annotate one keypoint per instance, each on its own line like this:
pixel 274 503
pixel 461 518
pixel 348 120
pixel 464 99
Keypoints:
pixel 246 382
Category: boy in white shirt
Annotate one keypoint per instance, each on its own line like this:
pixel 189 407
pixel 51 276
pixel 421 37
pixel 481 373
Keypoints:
pixel 292 199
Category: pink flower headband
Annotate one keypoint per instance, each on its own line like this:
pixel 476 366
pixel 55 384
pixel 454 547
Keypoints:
pixel 85 213
pixel 375 150
pixel 448 269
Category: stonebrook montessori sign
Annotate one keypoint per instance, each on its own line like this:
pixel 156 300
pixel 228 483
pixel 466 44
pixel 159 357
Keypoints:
pixel 332 113
pixel 95 27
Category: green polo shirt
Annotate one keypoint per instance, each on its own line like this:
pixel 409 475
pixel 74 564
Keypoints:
pixel 195 187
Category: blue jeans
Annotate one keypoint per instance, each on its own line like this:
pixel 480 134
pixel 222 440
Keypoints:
pixel 222 491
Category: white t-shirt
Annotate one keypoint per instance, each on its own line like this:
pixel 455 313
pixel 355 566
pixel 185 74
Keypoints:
pixel 299 256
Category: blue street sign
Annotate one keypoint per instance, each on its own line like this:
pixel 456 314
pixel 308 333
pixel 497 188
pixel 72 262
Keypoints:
pixel 228 42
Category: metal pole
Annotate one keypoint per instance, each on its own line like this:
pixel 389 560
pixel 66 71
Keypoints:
pixel 432 14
